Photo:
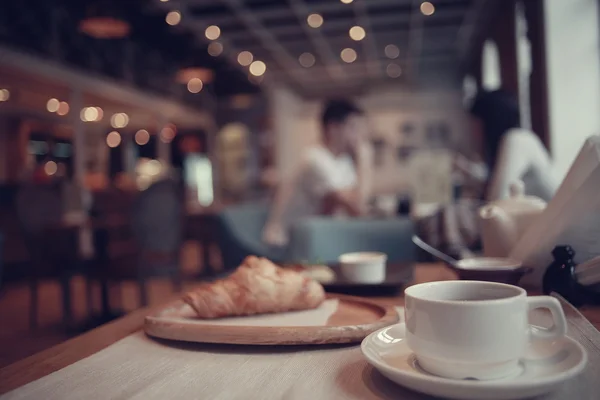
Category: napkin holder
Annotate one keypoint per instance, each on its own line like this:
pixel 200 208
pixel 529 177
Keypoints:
pixel 560 278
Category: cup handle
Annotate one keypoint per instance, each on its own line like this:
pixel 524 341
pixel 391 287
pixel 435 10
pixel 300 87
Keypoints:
pixel 559 328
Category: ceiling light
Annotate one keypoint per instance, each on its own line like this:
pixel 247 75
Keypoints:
pixel 212 32
pixel 195 85
pixel 215 49
pixel 50 168
pixel 393 70
pixel 392 51
pixel 142 137
pixel 63 108
pixel 89 114
pixel 357 33
pixel 346 1
pixel 119 120
pixel 4 94
pixel 100 114
pixel 52 105
pixel 184 75
pixel 113 139
pixel 173 18
pixel 314 20
pixel 167 134
pixel 164 1
pixel 102 27
pixel 258 68
pixel 348 55
pixel 245 58
pixel 427 8
pixel 307 60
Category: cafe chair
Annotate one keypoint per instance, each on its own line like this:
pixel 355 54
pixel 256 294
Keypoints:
pixel 156 221
pixel 158 230
pixel 52 246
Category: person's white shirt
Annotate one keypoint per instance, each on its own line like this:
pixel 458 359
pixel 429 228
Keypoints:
pixel 319 173
pixel 523 157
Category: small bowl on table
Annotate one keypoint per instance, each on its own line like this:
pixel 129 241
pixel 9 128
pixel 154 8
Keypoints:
pixel 491 269
pixel 363 267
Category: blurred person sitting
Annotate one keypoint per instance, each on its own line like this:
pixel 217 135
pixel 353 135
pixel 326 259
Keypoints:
pixel 511 153
pixel 332 178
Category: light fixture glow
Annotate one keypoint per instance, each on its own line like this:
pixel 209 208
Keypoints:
pixel 258 68
pixel 212 32
pixel 52 105
pixel 167 134
pixel 357 33
pixel 142 137
pixel 195 85
pixel 164 1
pixel 307 60
pixel 245 58
pixel 392 51
pixel 4 94
pixel 346 1
pixel 50 168
pixel 215 49
pixel 63 108
pixel 113 139
pixel 100 114
pixel 393 70
pixel 104 27
pixel 173 18
pixel 314 20
pixel 348 55
pixel 89 114
pixel 427 8
pixel 119 120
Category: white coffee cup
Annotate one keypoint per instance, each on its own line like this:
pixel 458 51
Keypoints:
pixel 363 267
pixel 474 329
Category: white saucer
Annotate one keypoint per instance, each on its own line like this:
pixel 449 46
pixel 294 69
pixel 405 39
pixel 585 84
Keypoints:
pixel 546 365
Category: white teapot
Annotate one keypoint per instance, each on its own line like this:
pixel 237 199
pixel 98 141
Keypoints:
pixel 504 221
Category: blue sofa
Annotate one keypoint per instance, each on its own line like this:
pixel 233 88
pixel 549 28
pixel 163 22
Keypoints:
pixel 322 239
pixel 315 239
pixel 240 234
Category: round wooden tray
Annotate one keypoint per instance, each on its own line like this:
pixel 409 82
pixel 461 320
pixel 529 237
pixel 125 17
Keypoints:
pixel 351 321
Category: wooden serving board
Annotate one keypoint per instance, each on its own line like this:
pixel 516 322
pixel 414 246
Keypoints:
pixel 340 319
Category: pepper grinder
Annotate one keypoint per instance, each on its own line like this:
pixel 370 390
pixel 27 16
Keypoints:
pixel 560 278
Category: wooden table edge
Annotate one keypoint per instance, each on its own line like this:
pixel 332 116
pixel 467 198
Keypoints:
pixel 69 352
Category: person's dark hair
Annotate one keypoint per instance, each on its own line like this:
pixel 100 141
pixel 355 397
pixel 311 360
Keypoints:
pixel 499 112
pixel 337 111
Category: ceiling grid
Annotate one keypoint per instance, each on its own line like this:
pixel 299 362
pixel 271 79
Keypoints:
pixel 276 32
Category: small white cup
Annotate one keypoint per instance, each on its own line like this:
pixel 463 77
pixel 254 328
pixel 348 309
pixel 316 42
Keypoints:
pixel 474 329
pixel 363 267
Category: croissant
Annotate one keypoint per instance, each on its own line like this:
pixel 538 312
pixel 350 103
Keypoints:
pixel 257 287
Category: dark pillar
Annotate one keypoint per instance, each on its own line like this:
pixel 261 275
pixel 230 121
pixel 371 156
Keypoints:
pixel 538 83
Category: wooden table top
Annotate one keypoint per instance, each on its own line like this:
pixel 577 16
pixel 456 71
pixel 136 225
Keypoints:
pixel 71 351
